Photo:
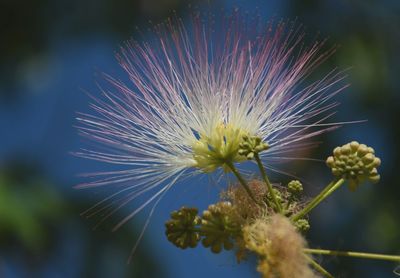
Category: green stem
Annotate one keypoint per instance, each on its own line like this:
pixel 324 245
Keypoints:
pixel 242 181
pixel 267 182
pixel 318 199
pixel 353 254
pixel 318 267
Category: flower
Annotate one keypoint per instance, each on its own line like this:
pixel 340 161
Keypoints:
pixel 195 91
pixel 279 246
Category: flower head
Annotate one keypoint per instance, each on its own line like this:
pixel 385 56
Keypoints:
pixel 195 92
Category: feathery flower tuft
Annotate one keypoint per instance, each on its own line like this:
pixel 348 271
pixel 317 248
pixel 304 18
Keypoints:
pixel 195 92
pixel 279 246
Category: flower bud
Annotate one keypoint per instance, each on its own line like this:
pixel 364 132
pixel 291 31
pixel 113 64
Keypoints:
pixel 251 145
pixel 302 225
pixel 218 227
pixel 354 162
pixel 181 228
pixel 295 187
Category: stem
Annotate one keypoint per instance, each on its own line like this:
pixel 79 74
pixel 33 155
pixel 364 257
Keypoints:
pixel 242 181
pixel 318 267
pixel 267 182
pixel 319 198
pixel 353 254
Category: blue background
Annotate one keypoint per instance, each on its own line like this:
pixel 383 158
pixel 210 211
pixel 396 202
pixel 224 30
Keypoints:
pixel 52 51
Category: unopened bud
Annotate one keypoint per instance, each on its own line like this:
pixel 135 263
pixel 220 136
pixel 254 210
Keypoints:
pixel 354 162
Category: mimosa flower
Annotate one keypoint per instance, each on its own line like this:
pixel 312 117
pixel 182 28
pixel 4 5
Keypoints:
pixel 194 92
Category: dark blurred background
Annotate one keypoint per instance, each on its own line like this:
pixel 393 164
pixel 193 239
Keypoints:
pixel 51 52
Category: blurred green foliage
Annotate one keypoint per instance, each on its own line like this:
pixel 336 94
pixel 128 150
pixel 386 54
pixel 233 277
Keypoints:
pixel 34 217
pixel 29 207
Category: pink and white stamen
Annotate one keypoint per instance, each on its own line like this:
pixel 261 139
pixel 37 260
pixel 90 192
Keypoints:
pixel 194 88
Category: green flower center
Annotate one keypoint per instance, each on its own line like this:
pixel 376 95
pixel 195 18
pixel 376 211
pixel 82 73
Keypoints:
pixel 219 148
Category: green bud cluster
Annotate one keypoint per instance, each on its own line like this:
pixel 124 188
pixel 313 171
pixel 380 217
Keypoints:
pixel 291 200
pixel 295 188
pixel 181 229
pixel 218 227
pixel 302 225
pixel 354 162
pixel 251 145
